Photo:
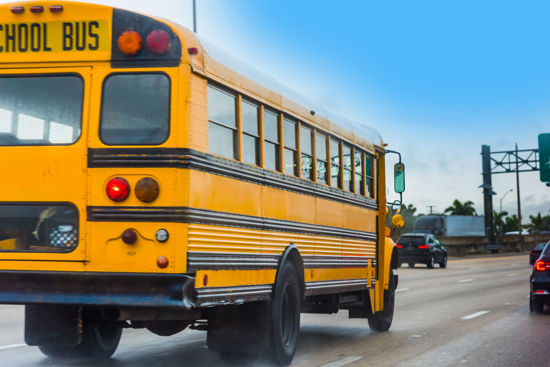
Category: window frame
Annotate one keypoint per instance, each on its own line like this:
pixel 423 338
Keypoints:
pixel 339 165
pixel 259 126
pixel 236 130
pixel 294 150
pixel 277 114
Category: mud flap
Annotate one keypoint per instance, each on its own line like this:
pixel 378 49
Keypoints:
pixel 53 325
pixel 244 328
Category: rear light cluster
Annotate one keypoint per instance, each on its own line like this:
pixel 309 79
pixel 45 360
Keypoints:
pixel 424 247
pixel 158 42
pixel 36 9
pixel 399 246
pixel 542 265
pixel 146 190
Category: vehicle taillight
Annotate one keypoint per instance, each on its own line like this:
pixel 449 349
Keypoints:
pixel 158 42
pixel 129 43
pixel 399 246
pixel 36 9
pixel 424 247
pixel 17 9
pixel 56 8
pixel 118 189
pixel 542 265
pixel 147 189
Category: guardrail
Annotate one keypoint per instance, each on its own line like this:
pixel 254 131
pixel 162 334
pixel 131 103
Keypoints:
pixel 472 245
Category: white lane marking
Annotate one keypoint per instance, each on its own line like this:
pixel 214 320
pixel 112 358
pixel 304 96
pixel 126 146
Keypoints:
pixel 402 289
pixel 513 274
pixel 465 280
pixel 474 315
pixel 416 336
pixel 343 362
pixel 2 347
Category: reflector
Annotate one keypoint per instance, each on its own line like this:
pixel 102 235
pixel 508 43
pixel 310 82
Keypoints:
pixel 158 42
pixel 130 42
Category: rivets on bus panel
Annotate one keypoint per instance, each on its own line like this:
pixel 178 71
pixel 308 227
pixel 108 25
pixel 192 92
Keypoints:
pixel 129 236
pixel 158 42
pixel 56 8
pixel 17 9
pixel 129 43
pixel 147 189
pixel 162 235
pixel 36 9
pixel 162 262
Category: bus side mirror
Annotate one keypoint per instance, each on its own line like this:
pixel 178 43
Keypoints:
pixel 399 177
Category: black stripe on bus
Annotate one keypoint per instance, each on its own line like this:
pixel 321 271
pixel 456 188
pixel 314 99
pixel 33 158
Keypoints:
pixel 192 159
pixel 197 260
pixel 203 216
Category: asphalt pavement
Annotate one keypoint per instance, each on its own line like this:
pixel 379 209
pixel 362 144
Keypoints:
pixel 474 313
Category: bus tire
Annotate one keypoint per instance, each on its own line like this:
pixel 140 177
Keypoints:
pixel 285 316
pixel 100 340
pixel 381 320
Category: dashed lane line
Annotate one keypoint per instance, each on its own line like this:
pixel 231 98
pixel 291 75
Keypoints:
pixel 402 289
pixel 465 280
pixel 2 347
pixel 343 362
pixel 474 315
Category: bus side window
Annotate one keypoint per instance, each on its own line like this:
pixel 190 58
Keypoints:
pixel 359 174
pixel 307 152
pixel 346 155
pixel 291 152
pixel 222 123
pixel 271 137
pixel 321 152
pixel 334 162
pixel 251 135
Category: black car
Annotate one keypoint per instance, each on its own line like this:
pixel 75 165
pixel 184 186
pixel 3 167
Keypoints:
pixel 535 253
pixel 540 282
pixel 421 248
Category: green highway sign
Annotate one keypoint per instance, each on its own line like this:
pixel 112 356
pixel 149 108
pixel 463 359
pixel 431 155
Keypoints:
pixel 544 157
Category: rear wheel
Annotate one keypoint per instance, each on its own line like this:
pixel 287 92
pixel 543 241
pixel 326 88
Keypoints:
pixel 443 263
pixel 381 320
pixel 285 316
pixel 100 339
pixel 431 262
pixel 536 306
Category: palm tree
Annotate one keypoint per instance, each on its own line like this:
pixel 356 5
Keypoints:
pixel 498 220
pixel 538 223
pixel 458 208
pixel 511 223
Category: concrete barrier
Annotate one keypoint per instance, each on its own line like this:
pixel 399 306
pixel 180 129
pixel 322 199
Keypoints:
pixel 464 246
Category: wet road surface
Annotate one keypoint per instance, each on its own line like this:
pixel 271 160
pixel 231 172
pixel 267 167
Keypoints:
pixel 474 313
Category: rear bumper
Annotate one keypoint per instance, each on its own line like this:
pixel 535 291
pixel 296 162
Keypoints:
pixel 105 289
pixel 409 256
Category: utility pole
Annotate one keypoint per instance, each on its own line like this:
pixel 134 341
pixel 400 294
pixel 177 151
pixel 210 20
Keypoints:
pixel 488 194
pixel 194 16
pixel 519 202
pixel 431 208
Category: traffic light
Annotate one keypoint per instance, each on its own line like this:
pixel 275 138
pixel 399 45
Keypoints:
pixel 544 157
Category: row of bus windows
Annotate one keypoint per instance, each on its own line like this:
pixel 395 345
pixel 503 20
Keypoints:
pixel 303 151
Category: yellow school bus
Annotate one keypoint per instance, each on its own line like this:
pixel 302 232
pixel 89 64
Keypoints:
pixel 148 180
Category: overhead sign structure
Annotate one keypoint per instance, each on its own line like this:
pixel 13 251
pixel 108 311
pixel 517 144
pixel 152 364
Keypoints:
pixel 544 157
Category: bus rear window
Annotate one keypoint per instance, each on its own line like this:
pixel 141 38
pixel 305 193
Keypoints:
pixel 135 109
pixel 38 227
pixel 40 110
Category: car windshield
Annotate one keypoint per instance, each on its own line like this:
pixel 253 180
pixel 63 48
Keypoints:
pixel 413 240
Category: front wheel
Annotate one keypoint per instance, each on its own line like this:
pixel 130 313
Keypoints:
pixel 100 340
pixel 381 320
pixel 285 316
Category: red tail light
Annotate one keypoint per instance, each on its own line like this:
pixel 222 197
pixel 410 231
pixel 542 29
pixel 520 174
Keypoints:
pixel 399 246
pixel 17 9
pixel 118 189
pixel 158 42
pixel 542 265
pixel 36 9
pixel 424 247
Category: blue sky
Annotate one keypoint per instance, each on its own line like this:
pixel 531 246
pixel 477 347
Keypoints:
pixel 436 78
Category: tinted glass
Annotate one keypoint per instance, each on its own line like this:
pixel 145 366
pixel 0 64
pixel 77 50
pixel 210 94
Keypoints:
pixel 40 110
pixel 271 152
pixel 335 163
pixel 135 109
pixel 38 228
pixel 305 140
pixel 222 140
pixel 322 174
pixel 290 162
pixel 250 149
pixel 221 107
pixel 321 147
pixel 416 240
pixel 271 126
pixel 250 118
pixel 289 130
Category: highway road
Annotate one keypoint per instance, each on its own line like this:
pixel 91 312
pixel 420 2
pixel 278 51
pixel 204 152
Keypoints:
pixel 474 313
